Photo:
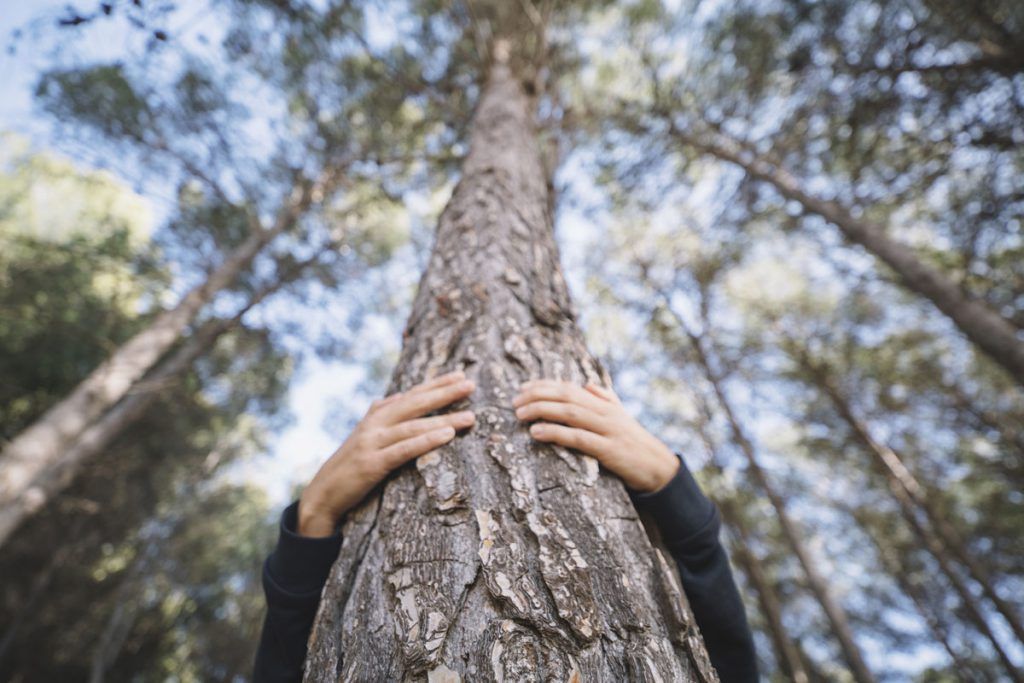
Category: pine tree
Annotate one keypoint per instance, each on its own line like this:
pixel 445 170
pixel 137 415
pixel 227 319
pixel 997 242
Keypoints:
pixel 496 557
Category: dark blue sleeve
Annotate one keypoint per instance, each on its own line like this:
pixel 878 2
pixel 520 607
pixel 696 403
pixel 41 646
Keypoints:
pixel 293 578
pixel 689 524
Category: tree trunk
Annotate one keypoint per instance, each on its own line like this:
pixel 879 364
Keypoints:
pixel 793 534
pixel 59 474
pixel 989 331
pixel 931 614
pixel 787 653
pixel 498 557
pixel 42 444
pixel 941 539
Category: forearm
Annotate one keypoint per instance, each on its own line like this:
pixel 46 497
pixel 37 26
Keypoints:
pixel 689 524
pixel 293 579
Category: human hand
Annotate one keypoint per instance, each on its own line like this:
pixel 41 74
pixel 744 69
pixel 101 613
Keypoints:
pixel 392 432
pixel 591 419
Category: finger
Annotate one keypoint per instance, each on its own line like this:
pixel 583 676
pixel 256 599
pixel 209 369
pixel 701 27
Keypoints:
pixel 421 403
pixel 447 378
pixel 411 428
pixel 602 392
pixel 565 392
pixel 571 414
pixel 402 452
pixel 439 381
pixel 570 437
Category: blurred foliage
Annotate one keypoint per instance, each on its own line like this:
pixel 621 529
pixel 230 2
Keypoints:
pixel 86 578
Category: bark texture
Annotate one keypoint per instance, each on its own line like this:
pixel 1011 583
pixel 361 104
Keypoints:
pixel 497 557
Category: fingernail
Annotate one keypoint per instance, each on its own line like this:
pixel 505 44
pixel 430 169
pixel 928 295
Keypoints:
pixel 468 384
pixel 467 415
pixel 537 430
pixel 449 432
pixel 520 412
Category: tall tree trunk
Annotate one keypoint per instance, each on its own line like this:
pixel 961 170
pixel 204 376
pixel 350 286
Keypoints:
pixel 931 614
pixel 989 331
pixel 497 557
pixel 793 534
pixel 43 443
pixel 941 538
pixel 60 473
pixel 787 653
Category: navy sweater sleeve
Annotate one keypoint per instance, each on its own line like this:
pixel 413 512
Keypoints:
pixel 689 524
pixel 295 573
pixel 293 578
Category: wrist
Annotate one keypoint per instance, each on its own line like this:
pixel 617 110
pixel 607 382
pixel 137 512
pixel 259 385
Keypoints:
pixel 664 467
pixel 314 519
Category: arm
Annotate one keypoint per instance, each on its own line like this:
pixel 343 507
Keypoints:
pixel 689 525
pixel 591 419
pixel 391 433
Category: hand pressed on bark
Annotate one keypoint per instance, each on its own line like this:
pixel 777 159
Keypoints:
pixel 591 419
pixel 392 432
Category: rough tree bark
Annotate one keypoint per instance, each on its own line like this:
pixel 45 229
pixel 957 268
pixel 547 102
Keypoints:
pixel 989 331
pixel 43 443
pixel 497 557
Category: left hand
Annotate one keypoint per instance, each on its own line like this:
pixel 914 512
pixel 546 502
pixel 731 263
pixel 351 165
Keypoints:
pixel 591 419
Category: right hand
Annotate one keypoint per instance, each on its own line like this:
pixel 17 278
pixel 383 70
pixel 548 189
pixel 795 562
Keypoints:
pixel 392 432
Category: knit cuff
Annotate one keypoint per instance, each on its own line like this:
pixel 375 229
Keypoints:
pixel 300 564
pixel 680 508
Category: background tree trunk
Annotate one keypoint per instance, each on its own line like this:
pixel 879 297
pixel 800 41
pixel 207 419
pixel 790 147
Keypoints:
pixel 42 445
pixel 834 611
pixel 497 557
pixel 787 652
pixel 907 490
pixel 55 476
pixel 989 331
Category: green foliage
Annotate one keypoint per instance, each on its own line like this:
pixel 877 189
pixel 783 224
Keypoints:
pixel 76 282
pixel 102 97
pixel 76 269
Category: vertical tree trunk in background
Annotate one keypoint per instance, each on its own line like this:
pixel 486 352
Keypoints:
pixel 787 654
pixel 790 530
pixel 989 331
pixel 104 430
pixel 932 616
pixel 43 443
pixel 497 557
pixel 939 537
